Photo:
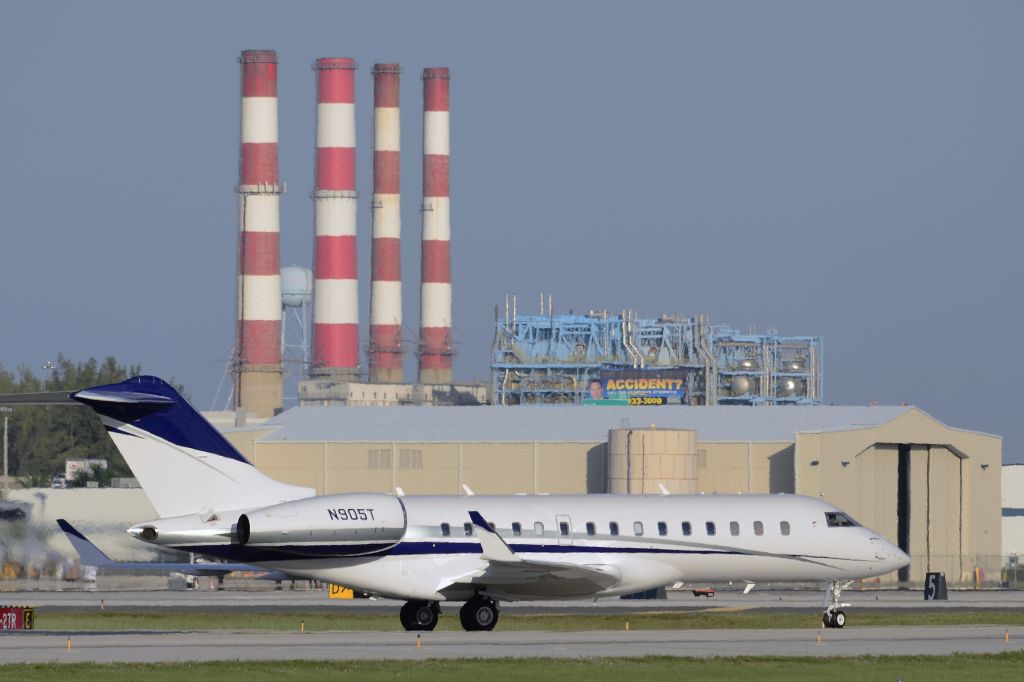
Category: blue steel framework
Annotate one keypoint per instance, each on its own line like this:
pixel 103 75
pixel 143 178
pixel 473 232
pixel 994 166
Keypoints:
pixel 551 358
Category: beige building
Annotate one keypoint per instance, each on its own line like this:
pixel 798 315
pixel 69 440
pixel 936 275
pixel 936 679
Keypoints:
pixel 930 488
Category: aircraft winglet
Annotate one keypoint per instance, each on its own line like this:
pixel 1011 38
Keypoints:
pixel 494 547
pixel 90 554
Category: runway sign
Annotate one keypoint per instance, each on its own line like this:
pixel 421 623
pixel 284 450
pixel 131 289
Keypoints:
pixel 15 618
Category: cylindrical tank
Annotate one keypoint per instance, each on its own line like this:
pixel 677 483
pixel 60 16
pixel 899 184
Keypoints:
pixel 335 287
pixel 436 270
pixel 640 459
pixel 258 338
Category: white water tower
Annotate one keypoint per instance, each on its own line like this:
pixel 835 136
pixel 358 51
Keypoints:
pixel 296 306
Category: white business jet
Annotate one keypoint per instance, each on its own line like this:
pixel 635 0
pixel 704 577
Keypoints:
pixel 478 549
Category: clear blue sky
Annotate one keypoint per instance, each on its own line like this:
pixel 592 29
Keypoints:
pixel 845 169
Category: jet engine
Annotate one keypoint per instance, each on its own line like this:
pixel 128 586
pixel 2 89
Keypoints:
pixel 348 524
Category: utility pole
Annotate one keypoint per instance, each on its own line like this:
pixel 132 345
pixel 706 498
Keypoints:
pixel 6 411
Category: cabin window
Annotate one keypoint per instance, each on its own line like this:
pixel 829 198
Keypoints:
pixel 758 528
pixel 517 529
pixel 563 528
pixel 784 527
pixel 591 528
pixel 662 528
pixel 538 528
pixel 710 527
pixel 687 528
pixel 734 528
pixel 446 530
pixel 638 528
pixel 468 527
pixel 838 520
pixel 613 528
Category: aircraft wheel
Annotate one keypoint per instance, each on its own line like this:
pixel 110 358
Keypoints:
pixel 838 619
pixel 479 613
pixel 419 615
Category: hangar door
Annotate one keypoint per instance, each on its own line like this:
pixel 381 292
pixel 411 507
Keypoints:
pixel 930 511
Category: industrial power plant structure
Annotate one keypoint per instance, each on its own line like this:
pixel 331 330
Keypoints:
pixel 551 358
pixel 536 359
pixel 332 365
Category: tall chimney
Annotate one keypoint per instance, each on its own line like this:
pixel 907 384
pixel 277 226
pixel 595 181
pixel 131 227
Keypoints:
pixel 257 362
pixel 386 267
pixel 335 286
pixel 436 289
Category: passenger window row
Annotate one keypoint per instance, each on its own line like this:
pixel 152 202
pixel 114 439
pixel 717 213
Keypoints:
pixel 638 528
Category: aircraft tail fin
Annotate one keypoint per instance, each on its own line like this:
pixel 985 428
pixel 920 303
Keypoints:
pixel 184 465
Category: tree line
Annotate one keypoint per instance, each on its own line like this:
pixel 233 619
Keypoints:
pixel 40 438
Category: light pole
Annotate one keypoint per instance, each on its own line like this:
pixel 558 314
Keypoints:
pixel 6 411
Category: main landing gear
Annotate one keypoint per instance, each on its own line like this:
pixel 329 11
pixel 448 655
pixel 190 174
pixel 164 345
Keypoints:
pixel 420 615
pixel 479 613
pixel 833 615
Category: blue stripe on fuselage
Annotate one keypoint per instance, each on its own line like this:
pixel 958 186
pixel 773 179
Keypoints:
pixel 299 552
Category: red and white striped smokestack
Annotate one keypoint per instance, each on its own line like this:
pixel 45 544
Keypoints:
pixel 436 287
pixel 258 335
pixel 386 269
pixel 335 286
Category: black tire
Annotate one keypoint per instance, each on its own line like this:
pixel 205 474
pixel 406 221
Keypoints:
pixel 419 615
pixel 838 619
pixel 827 619
pixel 479 614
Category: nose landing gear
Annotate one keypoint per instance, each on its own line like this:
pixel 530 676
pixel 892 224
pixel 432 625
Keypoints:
pixel 833 615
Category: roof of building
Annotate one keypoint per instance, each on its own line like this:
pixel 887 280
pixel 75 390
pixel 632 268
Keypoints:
pixel 562 424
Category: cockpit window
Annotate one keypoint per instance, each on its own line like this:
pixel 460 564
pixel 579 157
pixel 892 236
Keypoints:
pixel 838 520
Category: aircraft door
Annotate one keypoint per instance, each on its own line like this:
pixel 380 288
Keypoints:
pixel 563 526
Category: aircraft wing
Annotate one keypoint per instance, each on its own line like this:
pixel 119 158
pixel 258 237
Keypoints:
pixel 506 573
pixel 91 555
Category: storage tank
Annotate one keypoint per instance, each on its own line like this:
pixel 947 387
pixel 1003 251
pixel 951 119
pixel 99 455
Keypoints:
pixel 790 387
pixel 742 385
pixel 640 459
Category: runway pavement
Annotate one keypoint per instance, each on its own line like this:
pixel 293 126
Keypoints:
pixel 207 646
pixel 312 601
pixel 43 646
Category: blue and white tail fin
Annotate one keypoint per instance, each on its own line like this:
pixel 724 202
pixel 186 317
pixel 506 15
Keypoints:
pixel 88 553
pixel 184 465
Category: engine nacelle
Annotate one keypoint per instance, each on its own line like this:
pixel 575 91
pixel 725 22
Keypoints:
pixel 349 524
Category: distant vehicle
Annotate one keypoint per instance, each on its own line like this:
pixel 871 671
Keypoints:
pixel 14 511
pixel 59 481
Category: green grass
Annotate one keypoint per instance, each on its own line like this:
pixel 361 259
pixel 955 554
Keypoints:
pixel 323 622
pixel 991 668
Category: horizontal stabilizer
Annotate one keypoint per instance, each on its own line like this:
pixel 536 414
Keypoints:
pixel 43 398
pixel 126 397
pixel 89 553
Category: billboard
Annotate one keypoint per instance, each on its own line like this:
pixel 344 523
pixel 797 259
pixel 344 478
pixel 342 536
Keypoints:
pixel 636 387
